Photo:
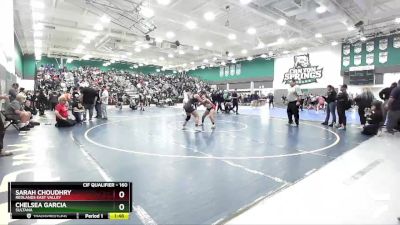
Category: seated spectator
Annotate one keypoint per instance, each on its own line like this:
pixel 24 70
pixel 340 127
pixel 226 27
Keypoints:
pixel 374 119
pixel 61 111
pixel 77 109
pixel 15 111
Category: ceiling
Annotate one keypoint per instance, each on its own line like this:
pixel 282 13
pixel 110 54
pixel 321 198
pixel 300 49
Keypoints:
pixel 60 27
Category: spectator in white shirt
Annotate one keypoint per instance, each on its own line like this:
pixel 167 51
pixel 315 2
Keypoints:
pixel 104 102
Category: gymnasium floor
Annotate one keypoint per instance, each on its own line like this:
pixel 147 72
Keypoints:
pixel 179 177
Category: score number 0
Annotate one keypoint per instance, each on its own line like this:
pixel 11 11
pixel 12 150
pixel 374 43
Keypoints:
pixel 121 194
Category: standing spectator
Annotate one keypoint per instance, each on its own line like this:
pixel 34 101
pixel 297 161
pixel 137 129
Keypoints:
pixel 235 100
pixel 89 97
pixel 343 103
pixel 364 101
pixel 53 99
pixel 41 103
pixel 98 105
pixel 293 98
pixel 271 100
pixel 61 111
pixel 2 132
pixel 385 95
pixel 393 108
pixel 104 102
pixel 331 107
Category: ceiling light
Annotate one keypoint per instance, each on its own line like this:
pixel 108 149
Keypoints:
pixel 78 50
pixel 154 60
pixel 158 40
pixel 281 22
pixel 112 61
pixel 215 59
pixel 223 63
pixel 245 2
pixel 170 55
pixel 205 61
pixel 351 28
pixel 209 44
pixel 38 34
pixel 260 45
pixel 161 58
pixel 233 61
pixel 147 12
pixel 397 20
pixel 86 40
pixel 141 64
pixel 231 36
pixel 270 53
pixel 37 4
pixel 244 51
pixel 184 65
pixel 263 56
pixel 158 70
pixel 230 54
pixel 363 38
pixel 135 66
pixel 321 9
pixel 163 2
pixel 105 19
pixel 123 56
pixel 196 48
pixel 37 16
pixel 304 48
pixel 334 43
pixel 69 60
pixel 286 52
pixel 129 53
pixel 137 49
pixel 98 26
pixel 192 63
pixel 38 26
pixel 209 16
pixel 318 35
pixel 251 31
pixel 181 52
pixel 80 47
pixel 170 34
pixel 280 40
pixel 249 58
pixel 191 25
pixel 203 67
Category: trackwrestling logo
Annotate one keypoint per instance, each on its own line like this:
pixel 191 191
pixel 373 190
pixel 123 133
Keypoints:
pixel 302 71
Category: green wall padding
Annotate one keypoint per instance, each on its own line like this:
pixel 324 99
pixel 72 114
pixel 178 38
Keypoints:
pixel 255 69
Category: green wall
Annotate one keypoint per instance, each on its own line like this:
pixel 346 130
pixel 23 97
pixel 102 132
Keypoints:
pixel 29 66
pixel 255 69
pixel 97 63
pixel 18 58
pixel 393 54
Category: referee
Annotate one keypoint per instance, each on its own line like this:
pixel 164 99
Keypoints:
pixel 293 98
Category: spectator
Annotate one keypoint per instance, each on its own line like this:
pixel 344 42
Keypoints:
pixel 61 111
pixel 374 119
pixel 343 103
pixel 13 91
pixel 15 111
pixel 364 101
pixel 331 107
pixel 2 132
pixel 271 100
pixel 89 97
pixel 393 108
pixel 235 101
pixel 385 95
pixel 98 105
pixel 104 102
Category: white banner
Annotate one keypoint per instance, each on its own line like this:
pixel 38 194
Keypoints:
pixel 370 58
pixel 383 57
pixel 357 60
pixel 383 44
pixel 238 69
pixel 346 49
pixel 370 46
pixel 396 42
pixel 346 61
pixel 358 47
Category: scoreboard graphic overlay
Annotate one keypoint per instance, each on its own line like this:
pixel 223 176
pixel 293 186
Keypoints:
pixel 70 200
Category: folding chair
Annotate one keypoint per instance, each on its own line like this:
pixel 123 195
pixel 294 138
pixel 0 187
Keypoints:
pixel 13 122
